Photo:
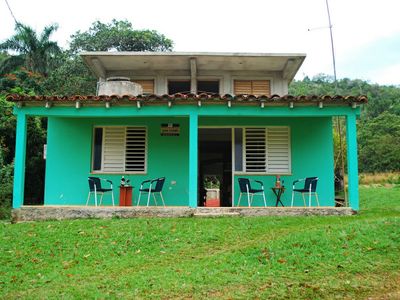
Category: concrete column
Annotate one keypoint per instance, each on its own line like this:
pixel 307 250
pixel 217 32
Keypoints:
pixel 19 161
pixel 352 161
pixel 193 159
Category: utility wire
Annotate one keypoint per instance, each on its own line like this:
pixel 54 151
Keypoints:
pixel 12 14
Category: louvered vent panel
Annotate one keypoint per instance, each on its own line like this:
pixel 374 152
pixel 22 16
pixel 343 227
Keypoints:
pixel 278 150
pixel 261 87
pixel 135 157
pixel 255 149
pixel 114 149
pixel 147 86
pixel 242 87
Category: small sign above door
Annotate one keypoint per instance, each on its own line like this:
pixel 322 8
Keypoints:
pixel 170 129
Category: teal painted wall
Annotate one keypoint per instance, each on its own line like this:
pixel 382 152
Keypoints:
pixel 69 151
pixel 312 155
pixel 69 157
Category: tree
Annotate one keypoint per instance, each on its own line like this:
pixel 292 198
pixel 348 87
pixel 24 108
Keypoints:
pixel 380 98
pixel 34 50
pixel 26 83
pixel 75 76
pixel 379 143
pixel 119 36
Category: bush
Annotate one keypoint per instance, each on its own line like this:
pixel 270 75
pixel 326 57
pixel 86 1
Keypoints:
pixel 379 141
pixel 6 183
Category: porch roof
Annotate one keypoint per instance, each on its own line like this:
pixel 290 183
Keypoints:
pixel 194 99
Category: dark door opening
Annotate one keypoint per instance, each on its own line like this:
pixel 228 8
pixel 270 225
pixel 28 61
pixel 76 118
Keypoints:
pixel 215 161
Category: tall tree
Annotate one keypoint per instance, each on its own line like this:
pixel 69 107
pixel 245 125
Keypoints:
pixel 35 50
pixel 119 36
pixel 74 75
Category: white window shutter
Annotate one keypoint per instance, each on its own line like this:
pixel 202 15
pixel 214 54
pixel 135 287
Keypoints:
pixel 135 157
pixel 278 150
pixel 114 149
pixel 255 150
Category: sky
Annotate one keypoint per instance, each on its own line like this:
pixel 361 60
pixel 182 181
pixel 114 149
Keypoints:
pixel 366 33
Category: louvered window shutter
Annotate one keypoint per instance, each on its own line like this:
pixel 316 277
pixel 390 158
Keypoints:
pixel 267 150
pixel 252 87
pixel 242 87
pixel 261 87
pixel 278 150
pixel 255 149
pixel 135 149
pixel 147 86
pixel 114 149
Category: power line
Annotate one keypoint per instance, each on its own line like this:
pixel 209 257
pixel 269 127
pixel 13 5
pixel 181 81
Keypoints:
pixel 12 14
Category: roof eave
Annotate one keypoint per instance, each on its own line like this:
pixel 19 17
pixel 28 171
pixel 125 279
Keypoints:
pixel 293 60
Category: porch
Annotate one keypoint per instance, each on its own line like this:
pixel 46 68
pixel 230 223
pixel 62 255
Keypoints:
pixel 71 156
pixel 40 213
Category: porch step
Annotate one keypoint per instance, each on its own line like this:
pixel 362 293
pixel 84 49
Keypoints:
pixel 37 213
pixel 215 214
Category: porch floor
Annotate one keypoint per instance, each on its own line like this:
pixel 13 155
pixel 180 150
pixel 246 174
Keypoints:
pixel 37 213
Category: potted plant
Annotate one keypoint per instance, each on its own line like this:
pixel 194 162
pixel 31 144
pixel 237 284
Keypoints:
pixel 212 186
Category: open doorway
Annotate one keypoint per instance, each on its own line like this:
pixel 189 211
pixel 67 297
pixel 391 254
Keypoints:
pixel 215 164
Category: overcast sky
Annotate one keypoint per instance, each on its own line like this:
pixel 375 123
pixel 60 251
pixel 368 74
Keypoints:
pixel 366 32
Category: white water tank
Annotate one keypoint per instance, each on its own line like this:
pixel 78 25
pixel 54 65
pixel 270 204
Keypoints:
pixel 119 86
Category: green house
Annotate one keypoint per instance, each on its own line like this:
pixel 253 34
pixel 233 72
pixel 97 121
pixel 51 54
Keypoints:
pixel 188 117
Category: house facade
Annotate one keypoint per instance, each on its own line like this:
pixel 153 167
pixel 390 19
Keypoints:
pixel 189 117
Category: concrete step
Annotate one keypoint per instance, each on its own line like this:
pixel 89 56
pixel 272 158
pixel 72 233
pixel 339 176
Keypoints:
pixel 215 214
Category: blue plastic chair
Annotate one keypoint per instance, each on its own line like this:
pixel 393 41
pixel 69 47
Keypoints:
pixel 96 188
pixel 310 188
pixel 155 187
pixel 246 188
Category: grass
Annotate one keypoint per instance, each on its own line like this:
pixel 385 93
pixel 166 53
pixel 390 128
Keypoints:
pixel 265 257
pixel 386 178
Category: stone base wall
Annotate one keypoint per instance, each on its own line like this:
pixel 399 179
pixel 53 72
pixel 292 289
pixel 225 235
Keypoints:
pixel 41 213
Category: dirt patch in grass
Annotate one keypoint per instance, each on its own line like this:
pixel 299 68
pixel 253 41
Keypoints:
pixel 389 288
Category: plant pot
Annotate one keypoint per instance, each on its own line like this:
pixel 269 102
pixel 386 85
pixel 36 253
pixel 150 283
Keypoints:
pixel 212 198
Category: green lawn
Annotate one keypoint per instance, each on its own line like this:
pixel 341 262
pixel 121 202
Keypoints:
pixel 257 257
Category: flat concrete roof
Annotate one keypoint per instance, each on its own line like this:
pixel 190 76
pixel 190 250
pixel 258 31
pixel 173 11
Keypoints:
pixel 102 63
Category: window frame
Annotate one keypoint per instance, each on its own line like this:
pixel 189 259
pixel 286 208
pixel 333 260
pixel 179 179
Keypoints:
pixel 177 79
pixel 211 78
pixel 92 171
pixel 243 172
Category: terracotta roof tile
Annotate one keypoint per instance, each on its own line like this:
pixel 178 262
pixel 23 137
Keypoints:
pixel 275 99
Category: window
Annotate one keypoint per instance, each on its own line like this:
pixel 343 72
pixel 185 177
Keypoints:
pixel 120 149
pixel 238 149
pixel 147 85
pixel 263 150
pixel 208 86
pixel 255 150
pixel 252 87
pixel 178 86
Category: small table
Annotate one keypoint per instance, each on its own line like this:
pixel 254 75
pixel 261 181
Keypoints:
pixel 278 191
pixel 125 195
